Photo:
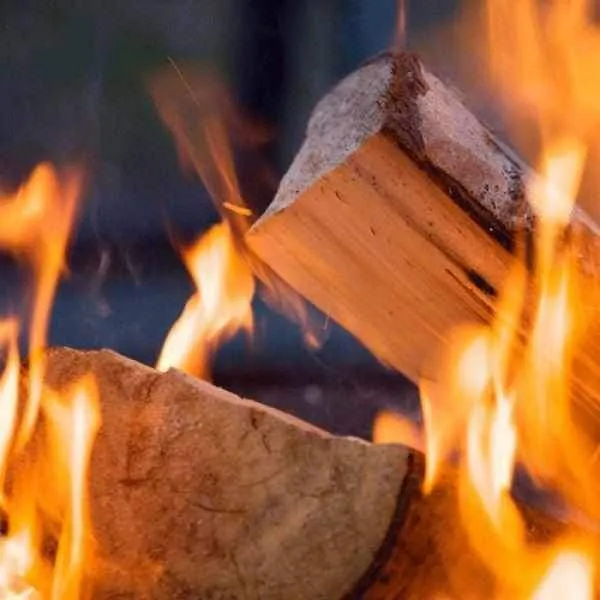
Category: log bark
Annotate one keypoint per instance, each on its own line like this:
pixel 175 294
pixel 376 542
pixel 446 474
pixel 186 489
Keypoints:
pixel 398 219
pixel 197 493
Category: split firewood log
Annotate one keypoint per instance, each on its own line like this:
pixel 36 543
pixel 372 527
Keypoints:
pixel 197 493
pixel 398 219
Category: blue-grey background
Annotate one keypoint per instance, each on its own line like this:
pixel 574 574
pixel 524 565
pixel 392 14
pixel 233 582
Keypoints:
pixel 72 87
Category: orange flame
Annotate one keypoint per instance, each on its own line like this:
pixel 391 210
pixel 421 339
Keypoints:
pixel 389 428
pixel 73 420
pixel 51 480
pixel 203 120
pixel 39 471
pixel 202 117
pixel 502 392
pixel 36 224
pixel 220 307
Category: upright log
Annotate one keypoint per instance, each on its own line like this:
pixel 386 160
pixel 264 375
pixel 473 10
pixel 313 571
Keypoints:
pixel 397 218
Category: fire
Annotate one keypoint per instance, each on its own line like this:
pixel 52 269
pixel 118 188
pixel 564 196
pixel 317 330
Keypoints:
pixel 73 421
pixel 9 392
pixel 15 556
pixel 35 225
pixel 218 263
pixel 203 120
pixel 51 480
pixel 501 396
pixel 570 576
pixel 46 440
pixel 220 307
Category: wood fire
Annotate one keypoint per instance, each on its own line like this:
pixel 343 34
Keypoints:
pixel 407 221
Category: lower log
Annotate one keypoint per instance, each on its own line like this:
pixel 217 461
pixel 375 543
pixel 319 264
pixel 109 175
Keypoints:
pixel 196 493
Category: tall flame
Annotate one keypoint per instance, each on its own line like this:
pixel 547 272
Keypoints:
pixel 220 307
pixel 502 393
pixel 35 224
pixel 216 262
pixel 38 470
pixel 73 421
pixel 203 120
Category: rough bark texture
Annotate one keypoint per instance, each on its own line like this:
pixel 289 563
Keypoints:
pixel 395 96
pixel 197 493
pixel 398 219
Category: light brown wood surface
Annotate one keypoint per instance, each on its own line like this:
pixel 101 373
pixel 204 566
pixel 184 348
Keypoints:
pixel 398 219
pixel 197 493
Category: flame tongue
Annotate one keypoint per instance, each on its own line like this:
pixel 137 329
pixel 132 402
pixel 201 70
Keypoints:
pixel 48 473
pixel 220 307
pixel 203 120
pixel 36 224
pixel 73 421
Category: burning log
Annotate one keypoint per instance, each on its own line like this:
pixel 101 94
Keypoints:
pixel 398 218
pixel 196 493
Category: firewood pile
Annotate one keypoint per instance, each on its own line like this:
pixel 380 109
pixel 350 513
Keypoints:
pixel 399 219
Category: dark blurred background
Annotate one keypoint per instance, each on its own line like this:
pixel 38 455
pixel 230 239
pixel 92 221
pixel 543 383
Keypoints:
pixel 73 87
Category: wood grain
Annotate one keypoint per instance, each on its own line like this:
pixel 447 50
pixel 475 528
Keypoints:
pixel 399 219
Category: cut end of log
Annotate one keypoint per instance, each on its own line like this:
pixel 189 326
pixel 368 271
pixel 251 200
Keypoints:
pixel 197 493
